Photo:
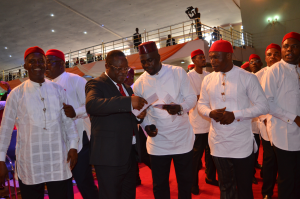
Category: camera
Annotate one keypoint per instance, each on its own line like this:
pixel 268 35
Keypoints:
pixel 189 10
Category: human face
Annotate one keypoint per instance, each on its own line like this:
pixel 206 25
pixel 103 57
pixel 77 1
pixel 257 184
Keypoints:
pixel 255 65
pixel 151 62
pixel 272 56
pixel 117 70
pixel 290 51
pixel 35 65
pixel 199 61
pixel 220 61
pixel 54 66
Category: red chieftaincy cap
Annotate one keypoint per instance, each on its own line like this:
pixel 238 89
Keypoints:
pixel 254 56
pixel 245 65
pixel 56 53
pixel 197 52
pixel 147 47
pixel 221 46
pixel 273 46
pixel 293 35
pixel 34 49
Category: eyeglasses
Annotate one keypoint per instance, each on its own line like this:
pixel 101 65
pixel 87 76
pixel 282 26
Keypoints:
pixel 148 60
pixel 39 61
pixel 52 62
pixel 119 69
pixel 256 61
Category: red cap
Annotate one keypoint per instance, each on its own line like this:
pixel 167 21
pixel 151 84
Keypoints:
pixel 273 46
pixel 191 66
pixel 254 56
pixel 245 65
pixel 56 53
pixel 221 46
pixel 293 35
pixel 34 49
pixel 147 47
pixel 197 52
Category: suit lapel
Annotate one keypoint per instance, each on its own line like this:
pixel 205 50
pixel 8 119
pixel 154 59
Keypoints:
pixel 111 84
pixel 128 89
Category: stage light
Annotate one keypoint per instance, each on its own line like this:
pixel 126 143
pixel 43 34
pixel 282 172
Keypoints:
pixel 276 18
pixel 102 25
pixel 85 32
pixel 79 51
pixel 182 62
pixel 269 19
pixel 5 47
pixel 9 55
pixel 53 31
pixel 52 15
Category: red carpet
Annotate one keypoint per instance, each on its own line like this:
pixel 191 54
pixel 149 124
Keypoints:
pixel 144 191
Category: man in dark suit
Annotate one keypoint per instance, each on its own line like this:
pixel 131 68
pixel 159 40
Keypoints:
pixel 114 137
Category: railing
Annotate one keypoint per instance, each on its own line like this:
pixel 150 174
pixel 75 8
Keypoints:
pixel 180 32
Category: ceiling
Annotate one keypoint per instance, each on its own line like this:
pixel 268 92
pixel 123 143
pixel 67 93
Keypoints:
pixel 26 23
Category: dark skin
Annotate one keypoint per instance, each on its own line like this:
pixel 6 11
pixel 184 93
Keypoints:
pixel 255 65
pixel 272 56
pixel 54 68
pixel 290 53
pixel 35 64
pixel 151 64
pixel 200 62
pixel 119 76
pixel 221 62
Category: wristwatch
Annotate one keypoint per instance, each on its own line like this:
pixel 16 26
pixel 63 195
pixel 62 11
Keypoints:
pixel 181 111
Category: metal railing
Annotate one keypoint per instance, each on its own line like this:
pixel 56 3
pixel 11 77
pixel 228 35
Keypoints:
pixel 180 32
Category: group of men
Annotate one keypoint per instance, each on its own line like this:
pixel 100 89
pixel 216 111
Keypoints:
pixel 65 125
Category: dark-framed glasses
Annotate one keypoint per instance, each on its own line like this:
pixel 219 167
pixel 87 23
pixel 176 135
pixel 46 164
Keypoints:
pixel 119 69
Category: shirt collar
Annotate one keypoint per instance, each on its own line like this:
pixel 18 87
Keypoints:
pixel 59 77
pixel 35 84
pixel 110 78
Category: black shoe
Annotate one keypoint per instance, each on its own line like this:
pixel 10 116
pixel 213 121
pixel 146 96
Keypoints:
pixel 258 166
pixel 266 197
pixel 138 182
pixel 195 190
pixel 254 181
pixel 212 182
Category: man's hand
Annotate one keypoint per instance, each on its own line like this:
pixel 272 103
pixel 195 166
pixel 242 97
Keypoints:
pixel 297 121
pixel 72 158
pixel 217 114
pixel 228 118
pixel 149 132
pixel 138 102
pixel 142 115
pixel 265 121
pixel 172 109
pixel 198 96
pixel 3 173
pixel 69 111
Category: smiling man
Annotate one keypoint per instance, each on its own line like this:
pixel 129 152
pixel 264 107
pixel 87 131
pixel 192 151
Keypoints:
pixel 74 86
pixel 42 157
pixel 282 89
pixel 226 97
pixel 173 137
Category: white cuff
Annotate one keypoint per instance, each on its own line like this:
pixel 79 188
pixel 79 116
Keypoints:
pixel 73 145
pixel 238 115
pixel 290 118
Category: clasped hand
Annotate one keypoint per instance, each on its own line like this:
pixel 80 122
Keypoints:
pixel 172 109
pixel 222 116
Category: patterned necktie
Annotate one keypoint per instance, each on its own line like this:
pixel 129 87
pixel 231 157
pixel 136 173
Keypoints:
pixel 123 93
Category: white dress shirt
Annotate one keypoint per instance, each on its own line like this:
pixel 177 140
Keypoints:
pixel 281 86
pixel 199 123
pixel 74 86
pixel 173 137
pixel 242 88
pixel 125 91
pixel 41 152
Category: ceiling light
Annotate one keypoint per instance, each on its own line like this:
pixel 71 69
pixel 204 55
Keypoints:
pixel 9 55
pixel 79 51
pixel 182 62
pixel 269 19
pixel 53 31
pixel 5 47
pixel 276 18
pixel 102 25
pixel 52 15
pixel 84 32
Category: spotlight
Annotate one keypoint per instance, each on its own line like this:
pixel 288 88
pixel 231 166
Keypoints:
pixel 276 18
pixel 85 32
pixel 52 15
pixel 53 31
pixel 5 47
pixel 9 55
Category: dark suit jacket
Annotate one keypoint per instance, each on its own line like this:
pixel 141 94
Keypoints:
pixel 112 122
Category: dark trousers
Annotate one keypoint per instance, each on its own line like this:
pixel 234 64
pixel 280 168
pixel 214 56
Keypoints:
pixel 235 177
pixel 257 140
pixel 56 190
pixel 82 173
pixel 145 157
pixel 288 173
pixel 269 170
pixel 160 166
pixel 201 145
pixel 117 182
